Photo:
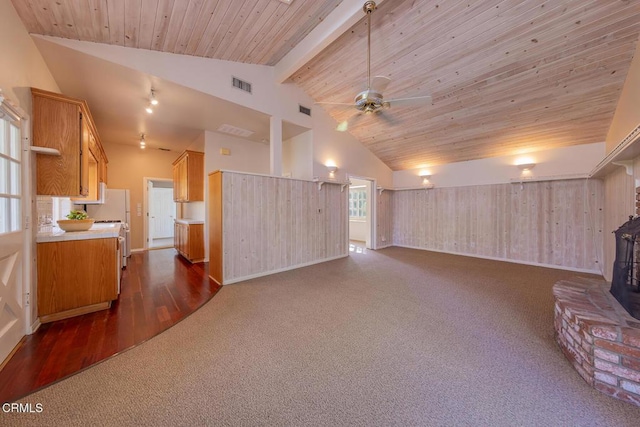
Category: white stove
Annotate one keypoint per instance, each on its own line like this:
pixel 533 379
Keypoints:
pixel 125 235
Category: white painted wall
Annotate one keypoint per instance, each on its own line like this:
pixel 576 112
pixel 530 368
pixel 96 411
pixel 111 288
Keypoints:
pixel 627 115
pixel 213 77
pixel 246 156
pixel 297 156
pixel 22 65
pixel 578 159
pixel 358 230
pixel 197 144
pixel 361 230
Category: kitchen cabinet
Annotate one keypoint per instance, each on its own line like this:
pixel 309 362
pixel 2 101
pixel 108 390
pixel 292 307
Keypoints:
pixel 188 239
pixel 65 124
pixel 188 177
pixel 76 277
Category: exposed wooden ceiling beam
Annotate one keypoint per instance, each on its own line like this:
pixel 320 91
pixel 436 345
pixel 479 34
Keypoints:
pixel 346 15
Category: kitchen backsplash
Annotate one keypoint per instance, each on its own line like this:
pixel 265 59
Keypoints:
pixel 50 209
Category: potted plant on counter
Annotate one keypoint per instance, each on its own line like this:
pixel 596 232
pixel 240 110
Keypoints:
pixel 76 221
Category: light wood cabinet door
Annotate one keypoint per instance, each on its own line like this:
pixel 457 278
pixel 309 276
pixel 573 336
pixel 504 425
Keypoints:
pixel 188 177
pixel 189 241
pixel 76 277
pixel 58 125
pixel 65 124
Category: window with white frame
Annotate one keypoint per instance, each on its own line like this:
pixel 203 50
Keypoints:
pixel 358 202
pixel 10 172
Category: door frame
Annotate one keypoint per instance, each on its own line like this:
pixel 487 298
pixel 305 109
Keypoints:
pixel 145 207
pixel 372 211
pixel 29 314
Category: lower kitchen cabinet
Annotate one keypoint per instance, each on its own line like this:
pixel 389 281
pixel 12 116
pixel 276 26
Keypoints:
pixel 189 240
pixel 76 277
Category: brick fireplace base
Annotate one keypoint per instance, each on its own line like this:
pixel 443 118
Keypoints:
pixel 599 337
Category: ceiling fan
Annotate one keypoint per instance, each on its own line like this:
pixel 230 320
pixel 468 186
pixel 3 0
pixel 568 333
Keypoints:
pixel 371 99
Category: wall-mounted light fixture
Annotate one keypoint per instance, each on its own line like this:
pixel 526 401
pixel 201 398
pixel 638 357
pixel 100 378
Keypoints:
pixel 332 171
pixel 425 175
pixel 143 143
pixel 526 167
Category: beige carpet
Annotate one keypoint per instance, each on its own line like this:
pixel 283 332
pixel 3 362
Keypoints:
pixel 394 337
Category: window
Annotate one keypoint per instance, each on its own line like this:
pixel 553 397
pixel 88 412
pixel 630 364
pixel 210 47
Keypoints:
pixel 10 172
pixel 358 202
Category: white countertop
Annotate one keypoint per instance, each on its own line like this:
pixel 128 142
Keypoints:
pixel 97 231
pixel 189 221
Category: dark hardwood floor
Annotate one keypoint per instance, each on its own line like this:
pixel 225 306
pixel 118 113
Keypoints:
pixel 159 288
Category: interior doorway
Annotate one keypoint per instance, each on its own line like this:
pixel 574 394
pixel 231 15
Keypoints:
pixel 361 212
pixel 161 212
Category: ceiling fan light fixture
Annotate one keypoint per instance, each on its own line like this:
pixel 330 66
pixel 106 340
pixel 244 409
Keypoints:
pixel 149 109
pixel 369 6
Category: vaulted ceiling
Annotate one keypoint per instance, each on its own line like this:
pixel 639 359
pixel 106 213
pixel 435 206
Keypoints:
pixel 505 76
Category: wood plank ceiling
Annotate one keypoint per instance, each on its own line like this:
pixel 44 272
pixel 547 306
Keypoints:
pixel 253 31
pixel 506 76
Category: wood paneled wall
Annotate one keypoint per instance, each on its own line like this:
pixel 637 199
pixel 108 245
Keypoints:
pixel 557 223
pixel 384 219
pixel 619 202
pixel 272 224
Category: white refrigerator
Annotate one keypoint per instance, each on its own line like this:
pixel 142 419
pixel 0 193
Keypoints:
pixel 116 207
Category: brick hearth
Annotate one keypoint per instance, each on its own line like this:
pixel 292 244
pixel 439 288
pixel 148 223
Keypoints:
pixel 599 337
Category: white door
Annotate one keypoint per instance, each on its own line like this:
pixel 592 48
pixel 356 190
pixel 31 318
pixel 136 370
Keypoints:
pixel 12 235
pixel 161 212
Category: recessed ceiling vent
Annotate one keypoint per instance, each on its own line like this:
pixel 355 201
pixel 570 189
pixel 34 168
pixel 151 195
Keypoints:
pixel 232 130
pixel 163 149
pixel 305 110
pixel 242 85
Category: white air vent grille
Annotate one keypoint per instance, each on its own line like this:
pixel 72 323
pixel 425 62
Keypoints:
pixel 305 110
pixel 242 85
pixel 232 130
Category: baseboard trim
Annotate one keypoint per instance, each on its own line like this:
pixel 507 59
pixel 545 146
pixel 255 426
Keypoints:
pixel 12 352
pixel 34 326
pixel 382 247
pixel 514 261
pixel 280 270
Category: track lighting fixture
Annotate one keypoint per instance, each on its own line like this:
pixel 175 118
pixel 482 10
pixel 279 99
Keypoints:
pixel 152 99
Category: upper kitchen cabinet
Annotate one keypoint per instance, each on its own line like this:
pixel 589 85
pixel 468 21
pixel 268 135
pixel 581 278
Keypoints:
pixel 188 177
pixel 65 124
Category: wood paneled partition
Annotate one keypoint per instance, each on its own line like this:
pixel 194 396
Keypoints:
pixel 384 219
pixel 556 223
pixel 267 224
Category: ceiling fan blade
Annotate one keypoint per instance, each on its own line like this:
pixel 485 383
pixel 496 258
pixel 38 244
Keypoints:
pixel 343 126
pixel 416 100
pixel 387 118
pixel 380 83
pixel 334 103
